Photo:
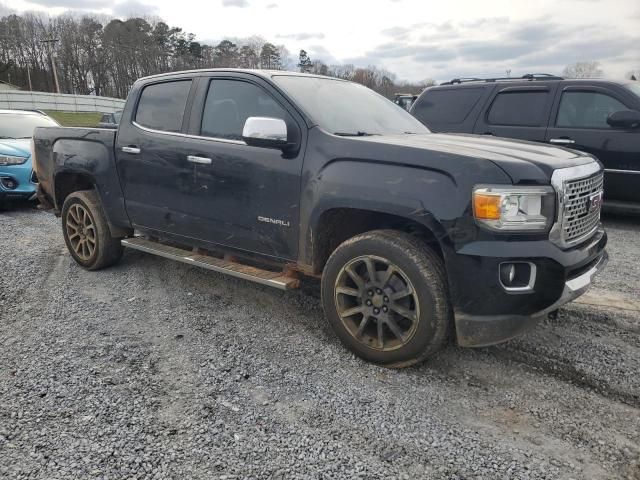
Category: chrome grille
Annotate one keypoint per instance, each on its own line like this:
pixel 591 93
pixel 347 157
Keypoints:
pixel 580 216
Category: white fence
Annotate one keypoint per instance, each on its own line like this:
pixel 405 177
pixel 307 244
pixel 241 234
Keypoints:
pixel 11 99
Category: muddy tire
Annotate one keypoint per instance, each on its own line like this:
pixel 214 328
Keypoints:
pixel 385 295
pixel 86 232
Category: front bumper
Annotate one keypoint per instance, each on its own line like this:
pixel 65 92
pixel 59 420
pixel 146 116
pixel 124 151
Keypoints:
pixel 23 177
pixel 486 314
pixel 484 330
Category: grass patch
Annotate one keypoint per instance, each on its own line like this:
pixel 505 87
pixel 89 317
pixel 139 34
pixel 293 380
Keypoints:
pixel 75 119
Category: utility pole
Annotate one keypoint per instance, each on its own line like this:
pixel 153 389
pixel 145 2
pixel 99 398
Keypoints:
pixel 49 42
pixel 29 77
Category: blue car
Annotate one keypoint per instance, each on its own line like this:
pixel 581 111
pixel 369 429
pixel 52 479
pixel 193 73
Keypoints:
pixel 17 180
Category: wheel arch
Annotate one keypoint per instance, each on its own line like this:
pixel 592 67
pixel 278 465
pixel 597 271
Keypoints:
pixel 337 224
pixel 68 181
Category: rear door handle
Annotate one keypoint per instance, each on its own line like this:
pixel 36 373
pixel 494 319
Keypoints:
pixel 198 159
pixel 134 150
pixel 562 141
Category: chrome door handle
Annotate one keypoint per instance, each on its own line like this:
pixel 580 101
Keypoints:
pixel 562 141
pixel 134 150
pixel 200 160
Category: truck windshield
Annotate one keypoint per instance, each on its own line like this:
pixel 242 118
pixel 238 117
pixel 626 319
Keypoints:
pixel 22 125
pixel 634 87
pixel 347 108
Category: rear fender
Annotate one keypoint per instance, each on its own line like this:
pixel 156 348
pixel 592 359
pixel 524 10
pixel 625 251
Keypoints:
pixel 93 160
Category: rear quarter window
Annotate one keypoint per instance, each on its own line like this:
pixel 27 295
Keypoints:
pixel 446 105
pixel 162 105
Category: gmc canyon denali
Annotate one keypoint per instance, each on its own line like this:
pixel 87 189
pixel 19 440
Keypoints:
pixel 269 175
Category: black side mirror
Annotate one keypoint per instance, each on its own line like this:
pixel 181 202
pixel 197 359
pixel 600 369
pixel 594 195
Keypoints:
pixel 624 119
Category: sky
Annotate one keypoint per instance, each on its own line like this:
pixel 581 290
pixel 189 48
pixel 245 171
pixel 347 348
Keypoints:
pixel 415 39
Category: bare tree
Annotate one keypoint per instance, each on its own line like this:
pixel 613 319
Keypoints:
pixel 102 55
pixel 590 69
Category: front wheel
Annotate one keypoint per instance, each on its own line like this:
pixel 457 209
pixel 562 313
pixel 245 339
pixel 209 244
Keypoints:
pixel 86 232
pixel 385 295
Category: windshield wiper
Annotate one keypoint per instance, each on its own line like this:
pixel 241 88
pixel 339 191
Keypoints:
pixel 354 134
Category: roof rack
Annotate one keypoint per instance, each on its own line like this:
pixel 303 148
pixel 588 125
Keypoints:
pixel 528 76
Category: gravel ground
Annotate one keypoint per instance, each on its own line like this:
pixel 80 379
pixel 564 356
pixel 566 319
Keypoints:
pixel 154 369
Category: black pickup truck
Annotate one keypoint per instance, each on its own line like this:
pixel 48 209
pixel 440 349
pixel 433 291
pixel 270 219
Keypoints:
pixel 270 176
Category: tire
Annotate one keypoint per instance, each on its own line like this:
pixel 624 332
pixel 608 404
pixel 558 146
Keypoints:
pixel 86 232
pixel 400 330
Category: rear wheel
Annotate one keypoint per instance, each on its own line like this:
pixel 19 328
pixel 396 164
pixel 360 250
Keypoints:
pixel 86 232
pixel 385 295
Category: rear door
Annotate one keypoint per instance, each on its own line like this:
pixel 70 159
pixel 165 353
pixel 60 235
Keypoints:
pixel 579 120
pixel 151 154
pixel 520 112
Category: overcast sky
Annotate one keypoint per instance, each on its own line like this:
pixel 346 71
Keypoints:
pixel 416 39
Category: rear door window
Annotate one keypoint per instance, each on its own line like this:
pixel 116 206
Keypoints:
pixel 446 105
pixel 228 105
pixel 586 109
pixel 519 108
pixel 162 105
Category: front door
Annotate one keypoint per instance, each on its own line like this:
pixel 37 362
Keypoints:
pixel 579 121
pixel 243 197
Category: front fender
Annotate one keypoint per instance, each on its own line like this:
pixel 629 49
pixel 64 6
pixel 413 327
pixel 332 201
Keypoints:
pixel 426 196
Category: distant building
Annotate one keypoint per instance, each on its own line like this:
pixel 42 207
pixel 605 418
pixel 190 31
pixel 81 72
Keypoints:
pixel 7 86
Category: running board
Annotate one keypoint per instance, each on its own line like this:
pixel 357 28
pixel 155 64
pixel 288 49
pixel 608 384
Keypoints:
pixel 235 269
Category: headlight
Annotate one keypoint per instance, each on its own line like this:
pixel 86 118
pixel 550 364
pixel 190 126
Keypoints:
pixel 10 160
pixel 504 208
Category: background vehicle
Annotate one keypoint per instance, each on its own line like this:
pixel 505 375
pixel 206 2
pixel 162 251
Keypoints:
pixel 17 180
pixel 110 120
pixel 600 117
pixel 405 100
pixel 413 234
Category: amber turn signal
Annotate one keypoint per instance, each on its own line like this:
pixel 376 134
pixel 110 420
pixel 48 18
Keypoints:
pixel 486 206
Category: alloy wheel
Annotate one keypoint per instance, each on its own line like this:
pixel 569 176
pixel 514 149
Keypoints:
pixel 377 302
pixel 81 231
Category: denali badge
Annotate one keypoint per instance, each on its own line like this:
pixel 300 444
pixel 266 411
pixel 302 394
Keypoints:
pixel 275 221
pixel 594 202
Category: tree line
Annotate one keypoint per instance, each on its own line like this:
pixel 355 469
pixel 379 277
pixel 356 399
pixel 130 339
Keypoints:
pixel 103 56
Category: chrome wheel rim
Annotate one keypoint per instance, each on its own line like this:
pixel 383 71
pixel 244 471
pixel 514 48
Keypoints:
pixel 377 303
pixel 81 231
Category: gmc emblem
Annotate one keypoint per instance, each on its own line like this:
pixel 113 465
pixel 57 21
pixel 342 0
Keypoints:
pixel 594 202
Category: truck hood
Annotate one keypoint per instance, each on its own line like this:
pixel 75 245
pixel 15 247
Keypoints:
pixel 519 159
pixel 16 147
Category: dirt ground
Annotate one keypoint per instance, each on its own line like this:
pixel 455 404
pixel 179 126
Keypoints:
pixel 153 369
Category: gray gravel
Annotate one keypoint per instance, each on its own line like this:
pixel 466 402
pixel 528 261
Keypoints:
pixel 153 369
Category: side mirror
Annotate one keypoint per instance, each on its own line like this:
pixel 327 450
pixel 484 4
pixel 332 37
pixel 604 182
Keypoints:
pixel 624 119
pixel 265 132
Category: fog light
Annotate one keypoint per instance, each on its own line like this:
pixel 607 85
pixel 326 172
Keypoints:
pixel 518 276
pixel 9 183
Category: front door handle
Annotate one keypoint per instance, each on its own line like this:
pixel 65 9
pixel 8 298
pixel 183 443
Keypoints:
pixel 131 149
pixel 562 141
pixel 198 159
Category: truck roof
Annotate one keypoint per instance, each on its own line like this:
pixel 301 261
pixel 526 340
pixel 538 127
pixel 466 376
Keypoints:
pixel 253 71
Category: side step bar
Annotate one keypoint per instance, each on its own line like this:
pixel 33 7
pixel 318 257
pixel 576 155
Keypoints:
pixel 265 277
